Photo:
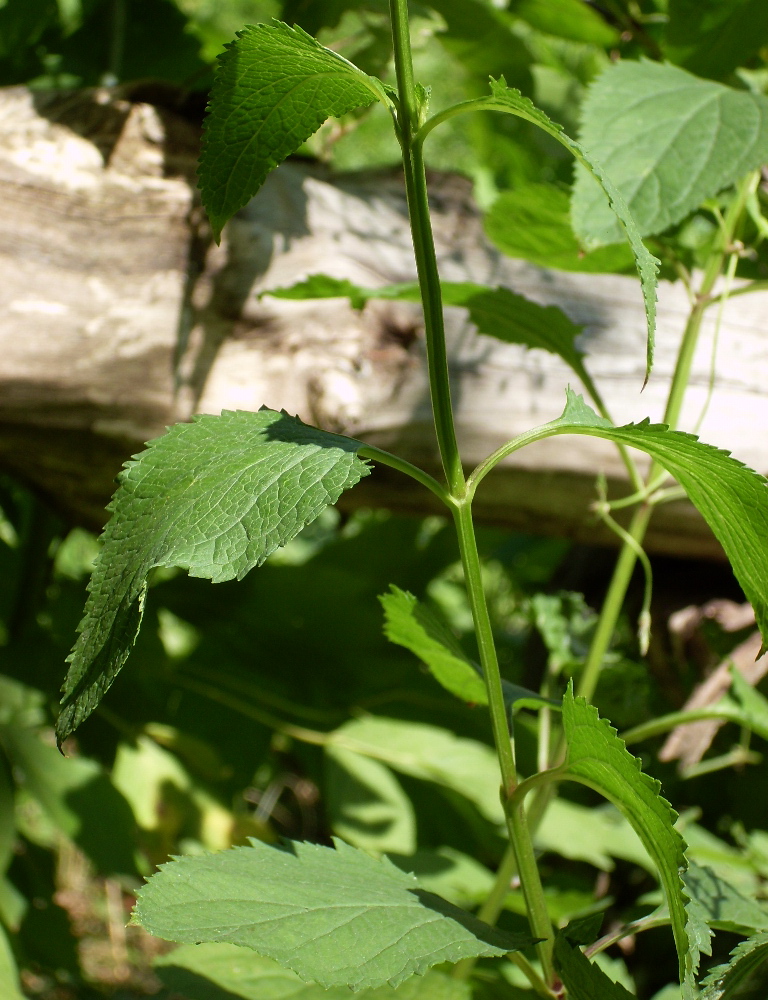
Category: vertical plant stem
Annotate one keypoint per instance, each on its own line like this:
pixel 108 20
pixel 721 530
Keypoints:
pixel 473 580
pixel 519 834
pixel 622 574
pixel 409 113
pixel 424 249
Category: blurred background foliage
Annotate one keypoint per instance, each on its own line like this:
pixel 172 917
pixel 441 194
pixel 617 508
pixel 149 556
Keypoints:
pixel 210 735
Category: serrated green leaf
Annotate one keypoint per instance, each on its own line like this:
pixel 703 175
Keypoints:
pixel 223 971
pixel 504 98
pixel 503 314
pixel 274 88
pixel 214 497
pixel 726 981
pixel 366 804
pixel 431 754
pixel 725 908
pixel 334 917
pixel 585 980
pixel 668 140
pixel 496 312
pixel 732 498
pixel 321 286
pixel 411 624
pixel 533 222
pixel 598 758
pixel 713 38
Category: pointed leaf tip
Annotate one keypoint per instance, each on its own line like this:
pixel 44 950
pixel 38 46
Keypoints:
pixel 274 87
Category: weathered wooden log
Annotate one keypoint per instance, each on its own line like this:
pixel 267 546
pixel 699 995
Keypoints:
pixel 120 316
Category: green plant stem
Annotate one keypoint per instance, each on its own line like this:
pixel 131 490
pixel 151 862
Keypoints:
pixel 424 249
pixel 625 564
pixel 530 883
pixel 722 711
pixel 394 462
pixel 519 834
pixel 470 560
pixel 408 117
pixel 539 986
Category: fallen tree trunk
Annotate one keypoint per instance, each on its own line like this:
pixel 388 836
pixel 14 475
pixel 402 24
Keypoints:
pixel 119 316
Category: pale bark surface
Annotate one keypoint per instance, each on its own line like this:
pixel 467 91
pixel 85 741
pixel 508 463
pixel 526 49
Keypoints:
pixel 119 316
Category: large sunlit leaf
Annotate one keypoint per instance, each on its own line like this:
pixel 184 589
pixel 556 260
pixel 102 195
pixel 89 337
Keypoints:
pixel 504 98
pixel 431 754
pixel 732 498
pixel 334 917
pixel 598 758
pixel 214 497
pixel 668 140
pixel 224 971
pixel 585 980
pixel 594 835
pixel 411 624
pixel 366 804
pixel 727 982
pixel 274 88
pixel 533 222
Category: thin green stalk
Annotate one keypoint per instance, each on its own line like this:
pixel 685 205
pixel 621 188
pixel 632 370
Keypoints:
pixel 533 891
pixel 395 462
pixel 470 560
pixel 611 608
pixel 519 834
pixel 722 711
pixel 409 121
pixel 237 704
pixel 538 984
pixel 424 249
